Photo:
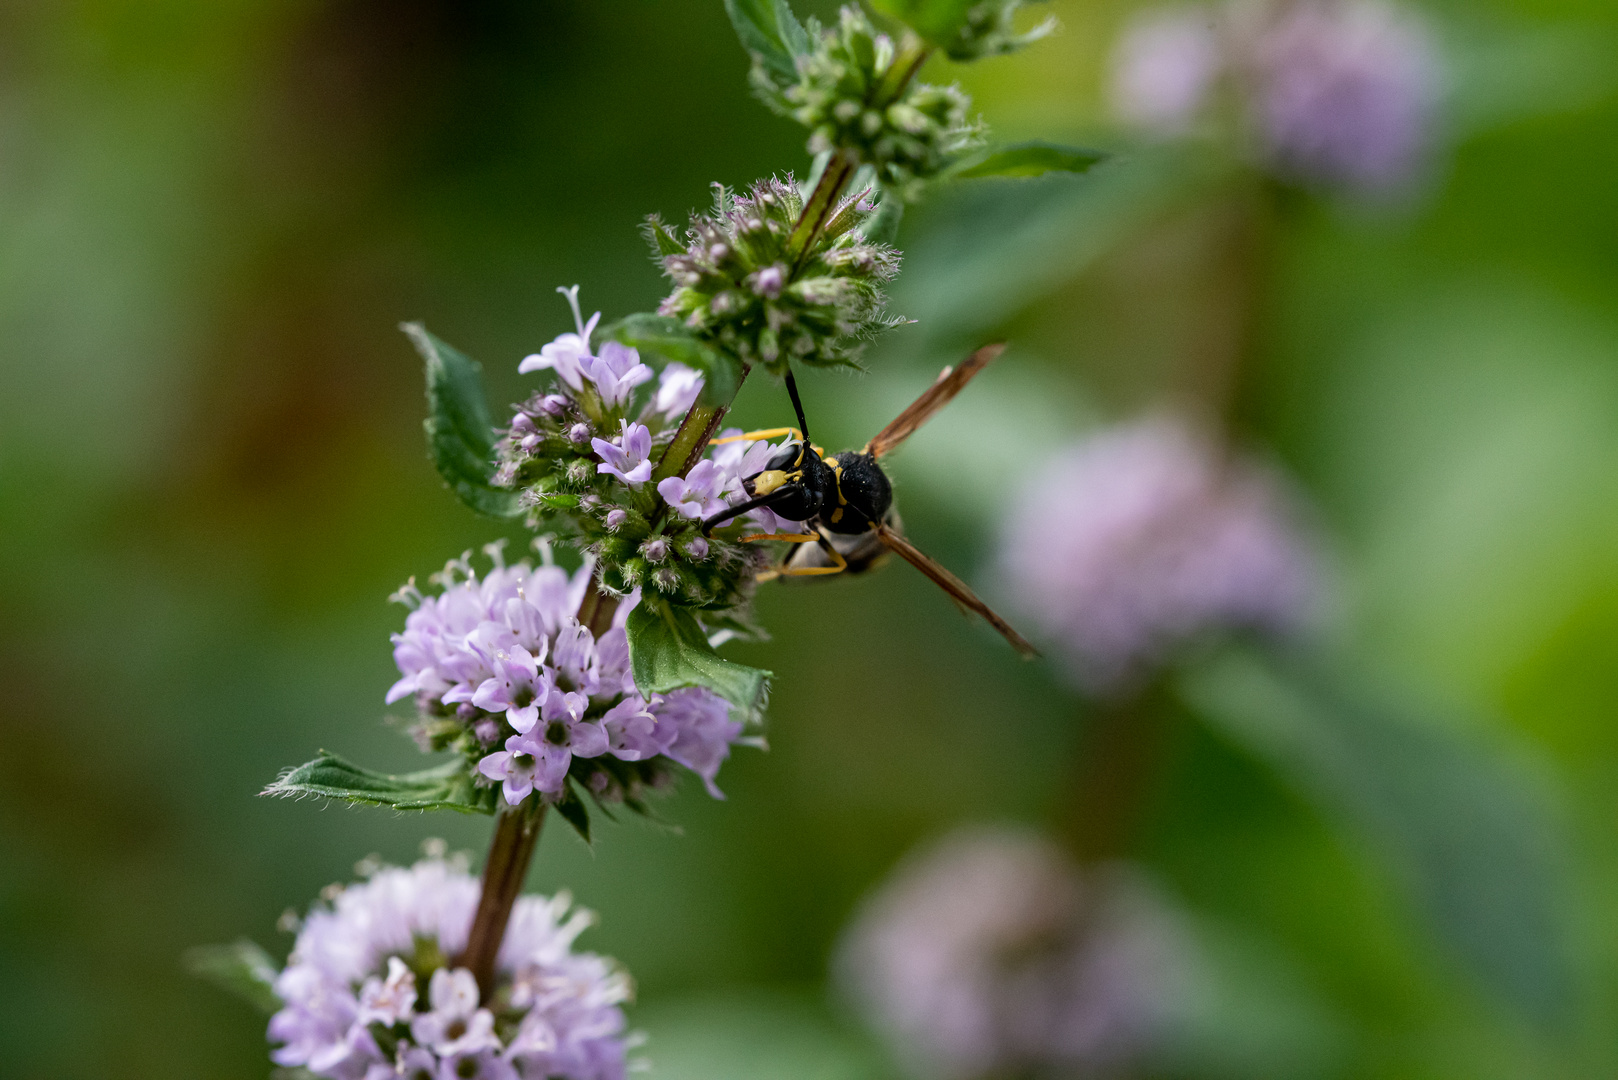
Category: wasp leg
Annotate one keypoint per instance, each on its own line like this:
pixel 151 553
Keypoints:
pixel 786 570
pixel 755 436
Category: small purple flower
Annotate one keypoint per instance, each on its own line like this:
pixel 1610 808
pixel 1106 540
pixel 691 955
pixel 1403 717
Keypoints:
pixel 563 733
pixel 526 434
pixel 579 433
pixel 616 517
pixel 704 729
pixel 520 768
pixel 518 688
pixel 566 354
pixel 697 548
pixel 677 389
pixel 629 457
pixel 554 405
pixel 695 495
pixel 634 733
pixel 615 373
pixel 655 551
pixel 389 1001
pixel 455 1025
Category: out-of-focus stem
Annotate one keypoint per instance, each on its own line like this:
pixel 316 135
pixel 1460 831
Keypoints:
pixel 1119 757
pixel 516 831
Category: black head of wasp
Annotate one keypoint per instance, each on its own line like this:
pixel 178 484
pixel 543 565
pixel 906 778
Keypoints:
pixel 846 502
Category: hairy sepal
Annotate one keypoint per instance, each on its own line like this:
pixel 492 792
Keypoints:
pixel 241 968
pixel 444 787
pixel 673 340
pixel 460 433
pixel 668 651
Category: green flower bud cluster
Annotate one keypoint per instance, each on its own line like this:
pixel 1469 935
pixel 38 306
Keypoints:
pixel 843 97
pixel 738 285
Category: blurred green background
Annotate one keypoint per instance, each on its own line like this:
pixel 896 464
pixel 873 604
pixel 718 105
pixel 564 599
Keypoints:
pixel 212 215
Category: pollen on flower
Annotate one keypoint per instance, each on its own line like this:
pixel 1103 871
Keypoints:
pixel 369 989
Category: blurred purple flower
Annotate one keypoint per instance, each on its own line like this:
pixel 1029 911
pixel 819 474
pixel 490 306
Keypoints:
pixel 1335 92
pixel 990 954
pixel 1135 540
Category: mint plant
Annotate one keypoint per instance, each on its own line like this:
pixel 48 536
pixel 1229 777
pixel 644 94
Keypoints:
pixel 567 690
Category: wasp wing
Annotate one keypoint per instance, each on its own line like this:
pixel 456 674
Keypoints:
pixel 957 589
pixel 950 382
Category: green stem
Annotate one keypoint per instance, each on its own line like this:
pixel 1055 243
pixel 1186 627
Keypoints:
pixel 907 60
pixel 821 202
pixel 516 831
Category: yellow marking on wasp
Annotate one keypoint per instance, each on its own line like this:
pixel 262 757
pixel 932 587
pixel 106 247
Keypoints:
pixel 837 515
pixel 799 538
pixel 767 481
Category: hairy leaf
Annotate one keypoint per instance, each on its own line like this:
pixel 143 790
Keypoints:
pixel 444 787
pixel 668 651
pixel 460 435
pixel 241 967
pixel 1029 159
pixel 1469 837
pixel 771 34
pixel 673 340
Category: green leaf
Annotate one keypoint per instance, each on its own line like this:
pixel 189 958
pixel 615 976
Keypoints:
pixel 673 340
pixel 242 968
pixel 771 34
pixel 444 787
pixel 1029 159
pixel 938 21
pixel 668 651
pixel 574 812
pixel 1467 834
pixel 460 435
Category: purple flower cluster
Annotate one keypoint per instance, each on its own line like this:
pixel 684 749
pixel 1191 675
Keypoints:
pixel 369 992
pixel 502 669
pixel 989 954
pixel 1336 92
pixel 583 452
pixel 1139 538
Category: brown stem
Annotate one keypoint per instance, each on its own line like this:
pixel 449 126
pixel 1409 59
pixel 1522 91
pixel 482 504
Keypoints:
pixel 516 831
pixel 1118 762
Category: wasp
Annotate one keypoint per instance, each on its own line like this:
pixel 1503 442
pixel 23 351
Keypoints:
pixel 845 500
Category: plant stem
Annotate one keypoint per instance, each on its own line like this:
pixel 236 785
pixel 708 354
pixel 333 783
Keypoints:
pixel 822 200
pixel 517 828
pixel 516 831
pixel 1120 758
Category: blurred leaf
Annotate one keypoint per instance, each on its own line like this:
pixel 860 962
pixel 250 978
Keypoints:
pixel 771 34
pixel 1468 836
pixel 574 812
pixel 668 650
pixel 241 967
pixel 444 787
pixel 673 340
pixel 460 435
pixel 992 250
pixel 1029 159
pixel 938 21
